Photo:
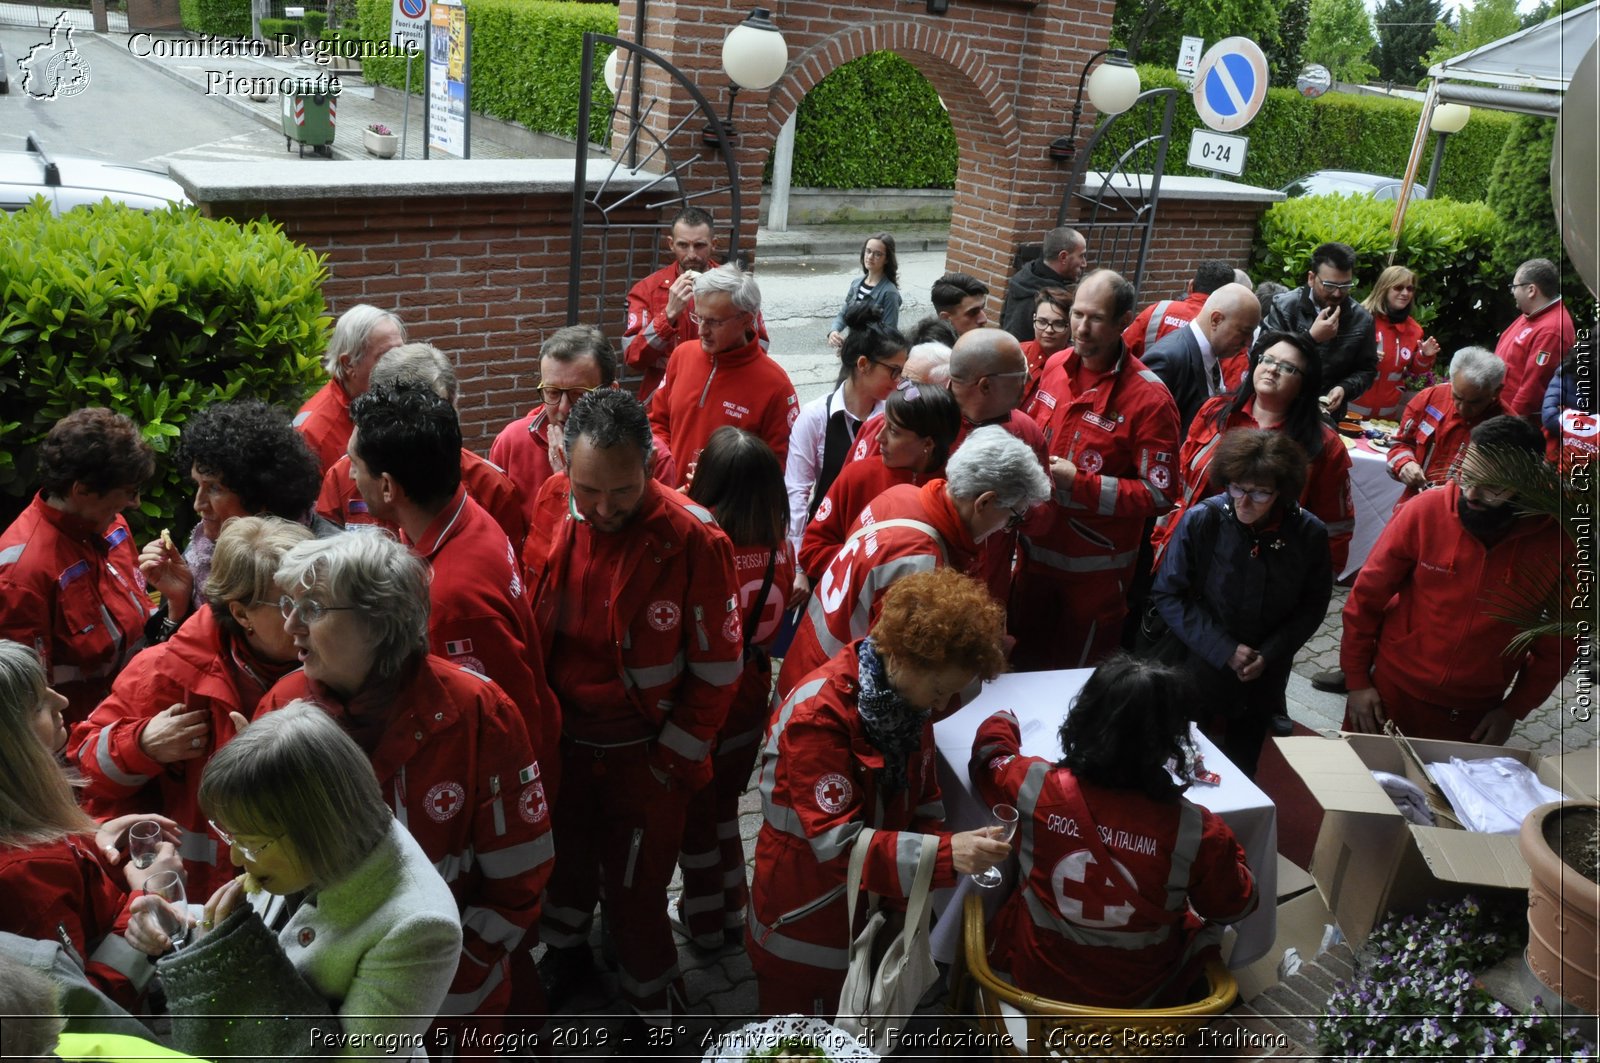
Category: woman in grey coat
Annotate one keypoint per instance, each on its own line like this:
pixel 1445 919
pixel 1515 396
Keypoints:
pixel 348 938
pixel 877 285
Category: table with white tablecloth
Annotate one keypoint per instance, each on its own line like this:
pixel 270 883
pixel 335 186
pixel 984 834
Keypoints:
pixel 1374 493
pixel 1040 701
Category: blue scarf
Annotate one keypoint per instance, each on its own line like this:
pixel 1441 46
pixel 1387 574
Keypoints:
pixel 893 726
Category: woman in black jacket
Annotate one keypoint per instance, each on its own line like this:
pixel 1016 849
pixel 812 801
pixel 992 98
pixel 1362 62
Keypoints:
pixel 1245 581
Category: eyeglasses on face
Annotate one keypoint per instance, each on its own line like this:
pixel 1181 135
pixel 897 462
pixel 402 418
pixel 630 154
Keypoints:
pixel 1286 368
pixel 1259 495
pixel 1405 287
pixel 1050 324
pixel 310 609
pixel 1519 284
pixel 1337 286
pixel 712 322
pixel 249 852
pixel 1014 521
pixel 895 371
pixel 553 396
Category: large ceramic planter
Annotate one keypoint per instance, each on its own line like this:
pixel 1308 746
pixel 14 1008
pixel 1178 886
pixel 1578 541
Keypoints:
pixel 1563 909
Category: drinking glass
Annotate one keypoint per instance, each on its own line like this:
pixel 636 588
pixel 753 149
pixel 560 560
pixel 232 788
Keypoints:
pixel 173 913
pixel 1005 818
pixel 143 839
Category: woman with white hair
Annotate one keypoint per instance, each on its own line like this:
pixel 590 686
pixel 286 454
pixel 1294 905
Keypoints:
pixel 172 708
pixel 340 928
pixel 989 486
pixel 451 751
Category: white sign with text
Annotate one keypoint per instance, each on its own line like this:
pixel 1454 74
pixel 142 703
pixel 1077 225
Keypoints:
pixel 1217 152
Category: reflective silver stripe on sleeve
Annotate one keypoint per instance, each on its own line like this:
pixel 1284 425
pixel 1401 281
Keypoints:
pixel 817 617
pixel 655 676
pixel 796 951
pixel 881 578
pixel 517 859
pixel 300 418
pixel 115 952
pixel 1184 850
pixel 639 990
pixel 683 743
pixel 1153 326
pixel 1342 527
pixel 11 554
pixel 1095 563
pixel 467 1003
pixel 1106 505
pixel 907 854
pixel 108 764
pixel 717 673
pixel 700 905
pixel 454 866
pixel 491 926
pixel 1150 375
pixel 699 861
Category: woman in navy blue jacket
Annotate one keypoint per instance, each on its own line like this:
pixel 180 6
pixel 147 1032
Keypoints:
pixel 1244 583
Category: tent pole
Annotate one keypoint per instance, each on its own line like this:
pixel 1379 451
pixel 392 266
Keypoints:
pixel 1412 163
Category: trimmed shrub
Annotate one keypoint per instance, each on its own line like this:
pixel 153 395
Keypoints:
pixel 875 122
pixel 1294 136
pixel 314 22
pixel 189 14
pixel 1461 296
pixel 526 58
pixel 1519 192
pixel 224 18
pixel 154 315
pixel 280 29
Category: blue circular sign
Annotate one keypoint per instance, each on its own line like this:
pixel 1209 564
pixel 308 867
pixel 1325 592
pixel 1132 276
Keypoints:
pixel 413 8
pixel 1230 84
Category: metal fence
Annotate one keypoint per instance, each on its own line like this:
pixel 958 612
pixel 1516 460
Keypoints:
pixel 45 15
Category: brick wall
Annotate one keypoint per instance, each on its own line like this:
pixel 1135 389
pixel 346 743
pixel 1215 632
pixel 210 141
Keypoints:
pixel 1188 230
pixel 484 277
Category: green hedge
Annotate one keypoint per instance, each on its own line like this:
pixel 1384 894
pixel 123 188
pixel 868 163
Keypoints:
pixel 526 58
pixel 1461 295
pixel 155 315
pixel 223 18
pixel 1293 136
pixel 875 122
pixel 280 29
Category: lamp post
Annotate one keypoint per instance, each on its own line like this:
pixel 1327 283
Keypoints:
pixel 1447 118
pixel 1112 89
pixel 754 56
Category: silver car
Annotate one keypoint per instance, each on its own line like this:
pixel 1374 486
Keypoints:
pixel 1350 182
pixel 69 181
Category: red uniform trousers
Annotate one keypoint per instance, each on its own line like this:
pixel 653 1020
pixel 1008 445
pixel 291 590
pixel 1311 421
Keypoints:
pixel 1418 716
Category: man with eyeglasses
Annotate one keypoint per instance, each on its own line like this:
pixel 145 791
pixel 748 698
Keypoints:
pixel 1438 421
pixel 1534 344
pixel 1424 643
pixel 1169 315
pixel 660 306
pixel 725 376
pixel 1061 261
pixel 1112 432
pixel 573 362
pixel 1342 329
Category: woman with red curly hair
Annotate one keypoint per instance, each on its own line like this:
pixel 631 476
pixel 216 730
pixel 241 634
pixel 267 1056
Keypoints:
pixel 852 747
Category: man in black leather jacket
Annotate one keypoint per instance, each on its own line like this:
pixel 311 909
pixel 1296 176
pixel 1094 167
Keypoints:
pixel 1341 328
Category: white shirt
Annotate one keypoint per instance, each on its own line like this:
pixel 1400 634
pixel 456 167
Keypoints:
pixel 1208 358
pixel 807 439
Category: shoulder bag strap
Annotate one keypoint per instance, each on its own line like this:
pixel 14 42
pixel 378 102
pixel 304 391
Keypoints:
pixel 852 881
pixel 753 621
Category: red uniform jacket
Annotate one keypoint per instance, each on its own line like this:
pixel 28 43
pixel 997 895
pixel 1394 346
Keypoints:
pixel 1423 608
pixel 1398 355
pixel 1577 447
pixel 672 615
pixel 1326 494
pixel 650 337
pixel 1158 319
pixel 74 595
pixel 480 615
pixel 744 388
pixel 747 718
pixel 1074 930
pixel 325 422
pixel 1532 347
pixel 1433 434
pixel 849 594
pixel 64 892
pixel 1036 359
pixel 819 787
pixel 488 485
pixel 1121 431
pixel 200 667
pixel 858 483
pixel 522 450
pixel 455 764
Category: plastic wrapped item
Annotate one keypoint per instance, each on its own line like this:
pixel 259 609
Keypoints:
pixel 1492 795
pixel 795 1036
pixel 1407 797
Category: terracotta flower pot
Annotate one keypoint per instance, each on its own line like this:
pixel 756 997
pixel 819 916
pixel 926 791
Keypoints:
pixel 1563 909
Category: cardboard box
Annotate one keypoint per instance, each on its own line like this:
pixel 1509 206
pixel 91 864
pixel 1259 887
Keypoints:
pixel 1370 861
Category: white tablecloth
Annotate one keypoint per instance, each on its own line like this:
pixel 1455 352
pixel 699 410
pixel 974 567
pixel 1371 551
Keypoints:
pixel 1040 701
pixel 1374 493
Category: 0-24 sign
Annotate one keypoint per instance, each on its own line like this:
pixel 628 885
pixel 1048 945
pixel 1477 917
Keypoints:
pixel 1217 152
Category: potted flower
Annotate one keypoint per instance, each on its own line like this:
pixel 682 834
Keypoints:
pixel 380 140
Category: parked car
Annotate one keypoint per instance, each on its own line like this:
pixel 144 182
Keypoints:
pixel 69 181
pixel 1350 182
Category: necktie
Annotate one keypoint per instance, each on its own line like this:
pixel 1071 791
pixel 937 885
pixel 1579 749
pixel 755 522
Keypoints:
pixel 1214 372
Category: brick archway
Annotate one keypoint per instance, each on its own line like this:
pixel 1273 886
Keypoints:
pixel 1007 70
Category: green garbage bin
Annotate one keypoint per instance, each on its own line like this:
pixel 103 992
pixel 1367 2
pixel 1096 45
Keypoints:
pixel 308 120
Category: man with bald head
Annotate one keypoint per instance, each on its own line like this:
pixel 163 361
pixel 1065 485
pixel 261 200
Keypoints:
pixel 1192 360
pixel 1111 429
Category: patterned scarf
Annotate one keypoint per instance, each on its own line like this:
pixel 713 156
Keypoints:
pixel 893 726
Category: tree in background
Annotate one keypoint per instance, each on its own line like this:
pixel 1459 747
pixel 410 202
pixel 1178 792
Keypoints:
pixel 1405 33
pixel 1285 59
pixel 1341 39
pixel 1548 9
pixel 1483 23
pixel 1153 30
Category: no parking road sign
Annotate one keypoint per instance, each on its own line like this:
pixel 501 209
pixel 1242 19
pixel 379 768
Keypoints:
pixel 1231 84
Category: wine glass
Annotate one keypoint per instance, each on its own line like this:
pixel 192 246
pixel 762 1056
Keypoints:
pixel 144 837
pixel 1005 818
pixel 173 912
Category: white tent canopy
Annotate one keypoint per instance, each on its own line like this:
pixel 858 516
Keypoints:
pixel 1541 58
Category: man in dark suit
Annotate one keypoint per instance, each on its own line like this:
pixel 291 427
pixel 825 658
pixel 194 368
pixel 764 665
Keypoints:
pixel 1189 360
